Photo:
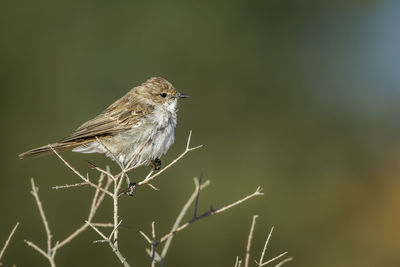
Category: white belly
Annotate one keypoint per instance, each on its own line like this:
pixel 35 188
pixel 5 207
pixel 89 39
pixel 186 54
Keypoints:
pixel 145 142
pixel 144 148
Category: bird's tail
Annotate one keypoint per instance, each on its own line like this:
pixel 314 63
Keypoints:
pixel 45 150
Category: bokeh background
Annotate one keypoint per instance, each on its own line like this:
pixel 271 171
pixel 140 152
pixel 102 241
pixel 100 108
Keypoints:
pixel 300 97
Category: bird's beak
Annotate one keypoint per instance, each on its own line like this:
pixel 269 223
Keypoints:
pixel 179 95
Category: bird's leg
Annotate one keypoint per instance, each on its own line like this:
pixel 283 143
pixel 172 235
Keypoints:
pixel 156 164
pixel 131 185
pixel 128 180
pixel 131 189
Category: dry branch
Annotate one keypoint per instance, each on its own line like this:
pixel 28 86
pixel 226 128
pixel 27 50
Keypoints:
pixel 246 262
pixel 86 180
pixel 284 261
pixel 112 189
pixel 260 262
pixel 52 250
pixel 49 254
pixel 183 212
pixel 8 241
pixel 176 228
pixel 212 212
pixel 109 241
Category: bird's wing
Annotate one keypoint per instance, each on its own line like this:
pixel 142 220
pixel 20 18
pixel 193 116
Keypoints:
pixel 121 115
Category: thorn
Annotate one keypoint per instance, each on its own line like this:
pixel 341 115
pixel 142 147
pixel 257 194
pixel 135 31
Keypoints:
pixel 92 165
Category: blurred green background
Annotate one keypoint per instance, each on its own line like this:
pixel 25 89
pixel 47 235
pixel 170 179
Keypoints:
pixel 300 97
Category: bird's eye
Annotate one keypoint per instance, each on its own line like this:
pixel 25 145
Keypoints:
pixel 163 95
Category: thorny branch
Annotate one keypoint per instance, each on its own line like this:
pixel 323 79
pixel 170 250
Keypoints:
pixel 111 243
pixel 198 188
pixel 284 261
pixel 176 228
pixel 260 263
pixel 52 250
pixel 211 212
pixel 238 262
pixel 86 180
pixel 116 182
pixel 97 200
pixel 246 262
pixel 8 241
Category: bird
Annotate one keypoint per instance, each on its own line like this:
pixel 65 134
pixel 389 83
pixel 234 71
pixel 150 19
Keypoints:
pixel 135 130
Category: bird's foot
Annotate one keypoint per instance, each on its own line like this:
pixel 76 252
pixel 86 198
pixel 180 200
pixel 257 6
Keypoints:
pixel 156 164
pixel 130 190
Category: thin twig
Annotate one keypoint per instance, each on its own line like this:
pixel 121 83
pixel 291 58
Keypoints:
pixel 261 263
pixel 157 256
pixel 78 173
pixel 112 232
pixel 50 251
pixel 238 262
pixel 102 195
pixel 153 245
pixel 38 249
pixel 103 224
pixel 114 248
pixel 256 193
pixel 271 260
pixel 106 172
pixel 69 185
pixel 146 237
pixel 246 262
pixel 55 249
pixel 153 187
pixel 41 211
pixel 153 230
pixel 98 231
pixel 72 236
pixel 97 200
pixel 117 186
pixel 8 241
pixel 284 261
pixel 210 213
pixel 95 197
pixel 266 244
pixel 182 213
pixel 196 203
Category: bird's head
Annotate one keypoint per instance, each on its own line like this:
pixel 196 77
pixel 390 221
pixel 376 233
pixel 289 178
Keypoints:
pixel 161 91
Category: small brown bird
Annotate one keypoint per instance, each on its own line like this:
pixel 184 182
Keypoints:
pixel 138 127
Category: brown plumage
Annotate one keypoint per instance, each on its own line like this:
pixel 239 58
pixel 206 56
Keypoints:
pixel 150 106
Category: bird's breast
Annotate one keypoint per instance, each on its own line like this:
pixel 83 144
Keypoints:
pixel 162 118
pixel 149 138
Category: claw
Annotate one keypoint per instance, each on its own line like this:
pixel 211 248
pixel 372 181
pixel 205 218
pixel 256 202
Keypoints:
pixel 129 191
pixel 156 164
